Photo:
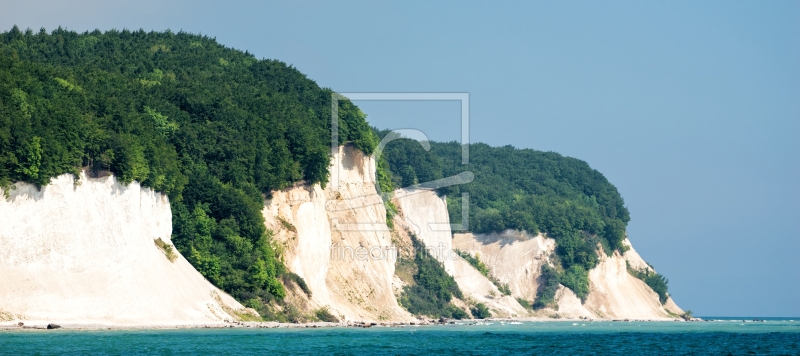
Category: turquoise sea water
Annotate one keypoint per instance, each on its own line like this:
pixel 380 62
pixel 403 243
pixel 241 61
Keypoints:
pixel 778 337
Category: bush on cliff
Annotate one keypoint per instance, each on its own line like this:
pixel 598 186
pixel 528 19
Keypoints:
pixel 432 288
pixel 547 289
pixel 480 311
pixel 656 281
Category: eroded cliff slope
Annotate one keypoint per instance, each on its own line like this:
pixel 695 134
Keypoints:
pixel 426 215
pixel 515 259
pixel 84 253
pixel 337 240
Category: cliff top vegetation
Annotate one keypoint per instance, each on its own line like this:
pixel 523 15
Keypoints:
pixel 213 127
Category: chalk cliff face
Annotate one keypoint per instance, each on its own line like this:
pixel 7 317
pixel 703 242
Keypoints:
pixel 615 293
pixel 320 229
pixel 84 253
pixel 516 258
pixel 426 214
pixel 513 258
pixel 336 238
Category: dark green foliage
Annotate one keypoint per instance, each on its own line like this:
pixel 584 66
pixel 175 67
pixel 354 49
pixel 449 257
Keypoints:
pixel 524 303
pixel 526 190
pixel 433 288
pixel 659 284
pixel 166 249
pixel 391 211
pixel 474 261
pixel 353 127
pixel 280 311
pixel 219 228
pixel 456 312
pixel 503 287
pixel 547 290
pixel 656 281
pixel 480 311
pixel 214 128
pixel 408 163
pixel 299 281
pixel 384 177
pixel 687 315
pixel 385 188
pixel 324 314
pixel 287 225
pixel 576 278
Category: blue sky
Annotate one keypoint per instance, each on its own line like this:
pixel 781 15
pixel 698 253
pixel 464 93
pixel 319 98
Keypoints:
pixel 692 109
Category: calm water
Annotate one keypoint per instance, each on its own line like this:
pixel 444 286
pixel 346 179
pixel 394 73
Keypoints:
pixel 780 337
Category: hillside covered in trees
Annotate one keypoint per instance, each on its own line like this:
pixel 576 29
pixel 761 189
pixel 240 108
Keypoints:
pixel 212 127
pixel 526 190
pixel 217 129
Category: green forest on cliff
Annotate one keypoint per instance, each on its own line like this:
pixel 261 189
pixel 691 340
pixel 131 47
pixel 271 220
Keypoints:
pixel 212 127
pixel 218 129
pixel 526 190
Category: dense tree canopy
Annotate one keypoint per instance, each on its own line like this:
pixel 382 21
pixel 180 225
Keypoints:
pixel 212 127
pixel 217 129
pixel 432 289
pixel 523 189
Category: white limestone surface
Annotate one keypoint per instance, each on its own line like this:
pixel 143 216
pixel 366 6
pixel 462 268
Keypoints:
pixel 513 258
pixel 614 293
pixel 83 253
pixel 336 238
pixel 516 258
pixel 426 214
pixel 478 288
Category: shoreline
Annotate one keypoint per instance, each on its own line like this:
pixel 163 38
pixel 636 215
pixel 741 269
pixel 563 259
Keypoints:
pixel 42 326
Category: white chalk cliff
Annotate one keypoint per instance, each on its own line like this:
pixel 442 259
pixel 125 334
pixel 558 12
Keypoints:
pixel 426 214
pixel 84 253
pixel 516 259
pixel 336 238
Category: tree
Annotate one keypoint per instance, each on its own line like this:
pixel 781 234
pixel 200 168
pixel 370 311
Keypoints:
pixel 212 127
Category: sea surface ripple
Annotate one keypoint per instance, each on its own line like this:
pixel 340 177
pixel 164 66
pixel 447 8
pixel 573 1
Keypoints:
pixel 723 337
